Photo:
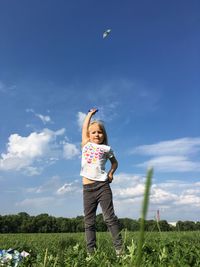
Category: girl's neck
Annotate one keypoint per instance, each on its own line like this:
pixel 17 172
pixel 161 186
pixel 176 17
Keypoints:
pixel 96 143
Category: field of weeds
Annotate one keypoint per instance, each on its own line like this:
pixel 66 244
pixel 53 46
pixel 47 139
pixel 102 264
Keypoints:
pixel 170 249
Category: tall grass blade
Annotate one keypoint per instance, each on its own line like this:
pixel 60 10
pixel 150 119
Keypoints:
pixel 45 258
pixel 56 260
pixel 143 216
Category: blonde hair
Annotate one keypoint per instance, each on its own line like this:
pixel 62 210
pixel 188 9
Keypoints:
pixel 102 127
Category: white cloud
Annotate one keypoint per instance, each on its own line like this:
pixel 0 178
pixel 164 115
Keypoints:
pixel 32 171
pixel 66 188
pixel 182 146
pixel 35 202
pixel 5 88
pixel 53 186
pixel 171 156
pixel 49 186
pixel 189 200
pixel 105 113
pixel 70 151
pixel 192 191
pixel 129 178
pixel 176 200
pixel 80 118
pixel 160 196
pixel 44 118
pixel 171 164
pixel 29 110
pixel 58 132
pixel 169 197
pixel 130 192
pixel 23 152
pixel 73 186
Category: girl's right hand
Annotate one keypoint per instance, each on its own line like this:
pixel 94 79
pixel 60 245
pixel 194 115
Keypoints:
pixel 93 111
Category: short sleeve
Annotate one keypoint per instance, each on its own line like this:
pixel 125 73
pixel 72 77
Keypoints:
pixel 110 153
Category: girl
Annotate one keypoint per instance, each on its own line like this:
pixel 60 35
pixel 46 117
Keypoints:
pixel 96 187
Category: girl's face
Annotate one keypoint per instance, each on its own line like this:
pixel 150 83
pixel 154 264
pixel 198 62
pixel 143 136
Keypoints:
pixel 96 134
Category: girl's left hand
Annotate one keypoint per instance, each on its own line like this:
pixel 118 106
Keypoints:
pixel 110 177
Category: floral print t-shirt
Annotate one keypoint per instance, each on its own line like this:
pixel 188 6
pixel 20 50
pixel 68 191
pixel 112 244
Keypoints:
pixel 94 157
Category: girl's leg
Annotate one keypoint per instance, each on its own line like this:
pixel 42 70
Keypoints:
pixel 90 207
pixel 106 202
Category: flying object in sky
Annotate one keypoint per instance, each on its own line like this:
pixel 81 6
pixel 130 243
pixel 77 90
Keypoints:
pixel 105 34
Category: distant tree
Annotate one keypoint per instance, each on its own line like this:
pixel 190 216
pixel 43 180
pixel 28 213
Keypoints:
pixel 189 226
pixel 24 225
pixel 63 224
pixel 43 223
pixel 151 225
pixel 179 226
pixel 125 223
pixel 197 226
pixel 129 224
pixel 11 224
pixel 135 225
pixel 23 215
pixel 100 223
pixel 1 223
pixel 164 226
pixel 80 224
pixel 52 225
pixel 185 226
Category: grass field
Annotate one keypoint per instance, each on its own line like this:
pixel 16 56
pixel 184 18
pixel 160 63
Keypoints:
pixel 170 249
pixel 140 249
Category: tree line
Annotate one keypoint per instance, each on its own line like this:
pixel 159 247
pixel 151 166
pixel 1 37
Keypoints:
pixel 44 223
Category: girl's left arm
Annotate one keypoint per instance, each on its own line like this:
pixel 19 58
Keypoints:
pixel 114 165
pixel 86 123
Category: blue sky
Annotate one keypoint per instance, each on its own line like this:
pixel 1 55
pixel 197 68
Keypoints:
pixel 143 77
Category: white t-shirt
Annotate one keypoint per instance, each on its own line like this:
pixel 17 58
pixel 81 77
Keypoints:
pixel 93 162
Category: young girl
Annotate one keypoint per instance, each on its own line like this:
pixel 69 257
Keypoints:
pixel 96 187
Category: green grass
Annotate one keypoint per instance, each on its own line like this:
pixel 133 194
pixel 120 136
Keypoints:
pixel 143 217
pixel 170 249
pixel 151 249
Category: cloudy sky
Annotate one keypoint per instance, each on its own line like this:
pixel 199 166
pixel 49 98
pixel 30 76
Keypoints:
pixel 143 77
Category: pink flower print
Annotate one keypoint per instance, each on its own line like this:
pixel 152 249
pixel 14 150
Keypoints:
pixel 101 154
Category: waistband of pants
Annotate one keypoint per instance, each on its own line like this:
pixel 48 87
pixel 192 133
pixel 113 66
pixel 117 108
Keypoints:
pixel 95 185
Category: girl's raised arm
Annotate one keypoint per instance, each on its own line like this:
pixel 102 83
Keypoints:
pixel 86 123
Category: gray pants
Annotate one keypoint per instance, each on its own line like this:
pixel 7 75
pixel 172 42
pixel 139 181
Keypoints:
pixel 93 194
